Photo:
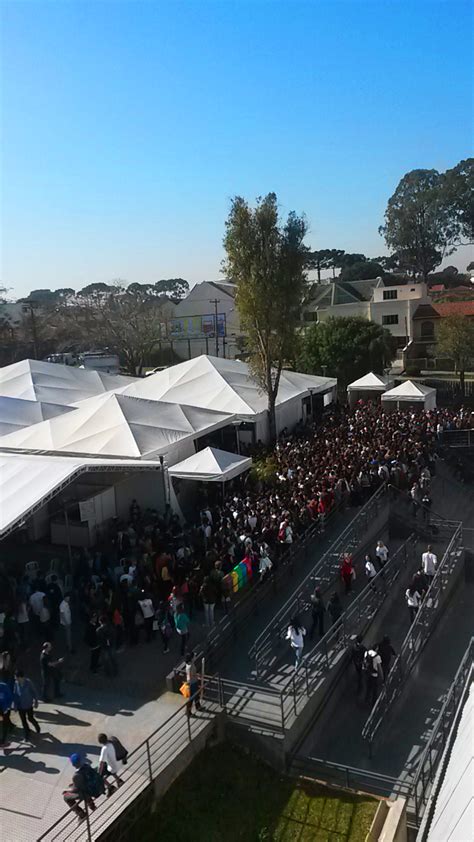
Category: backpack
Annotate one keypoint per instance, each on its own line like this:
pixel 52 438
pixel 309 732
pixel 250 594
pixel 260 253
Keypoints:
pixel 93 782
pixel 121 753
pixel 368 662
pixel 282 534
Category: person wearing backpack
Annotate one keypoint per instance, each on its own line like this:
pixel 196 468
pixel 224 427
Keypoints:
pixel 109 760
pixel 372 666
pixel 357 658
pixel 86 785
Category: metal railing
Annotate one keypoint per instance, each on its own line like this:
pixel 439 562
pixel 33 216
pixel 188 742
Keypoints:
pixel 347 777
pixel 441 734
pixel 417 636
pixel 458 438
pixel 323 574
pixel 144 764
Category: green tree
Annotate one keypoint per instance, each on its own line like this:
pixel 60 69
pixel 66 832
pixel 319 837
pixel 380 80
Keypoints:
pixel 458 195
pixel 96 290
pixel 456 340
pixel 346 347
pixel 418 224
pixel 266 258
pixel 175 288
pixel 362 271
pixel 325 259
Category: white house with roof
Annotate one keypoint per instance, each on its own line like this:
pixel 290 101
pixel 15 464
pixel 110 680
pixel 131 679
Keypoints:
pixel 193 324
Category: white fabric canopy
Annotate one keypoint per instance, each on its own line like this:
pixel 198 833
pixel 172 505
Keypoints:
pixel 223 385
pixel 15 413
pixel 370 382
pixel 35 380
pixel 412 392
pixel 29 481
pixel 118 425
pixel 211 465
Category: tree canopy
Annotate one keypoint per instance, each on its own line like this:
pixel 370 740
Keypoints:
pixel 362 271
pixel 346 348
pixel 266 258
pixel 456 340
pixel 458 196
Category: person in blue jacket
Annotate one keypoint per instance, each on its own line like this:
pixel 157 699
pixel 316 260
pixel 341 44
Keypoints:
pixel 25 698
pixel 6 703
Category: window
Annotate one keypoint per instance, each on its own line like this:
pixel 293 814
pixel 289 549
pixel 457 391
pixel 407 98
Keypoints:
pixel 390 294
pixel 427 330
pixel 390 320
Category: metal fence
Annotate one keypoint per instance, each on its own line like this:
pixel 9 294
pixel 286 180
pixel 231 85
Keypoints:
pixel 418 634
pixel 145 763
pixel 347 777
pixel 458 438
pixel 425 774
pixel 323 574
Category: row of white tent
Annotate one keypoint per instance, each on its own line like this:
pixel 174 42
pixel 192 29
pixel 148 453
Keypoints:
pixel 406 393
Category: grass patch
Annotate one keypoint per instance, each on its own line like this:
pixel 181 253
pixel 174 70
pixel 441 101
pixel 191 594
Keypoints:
pixel 228 795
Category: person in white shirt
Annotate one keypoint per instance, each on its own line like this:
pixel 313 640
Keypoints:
pixel 372 667
pixel 370 570
pixel 265 564
pixel 65 619
pixel 108 763
pixel 36 602
pixel 295 634
pixel 413 599
pixel 429 562
pixel 381 551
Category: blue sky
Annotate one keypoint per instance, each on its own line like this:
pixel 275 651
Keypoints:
pixel 127 126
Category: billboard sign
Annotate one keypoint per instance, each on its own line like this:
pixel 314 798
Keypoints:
pixel 195 327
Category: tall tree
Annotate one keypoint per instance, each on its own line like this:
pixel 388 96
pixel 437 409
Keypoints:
pixel 346 348
pixel 318 261
pixel 362 271
pixel 418 225
pixel 458 195
pixel 456 340
pixel 266 258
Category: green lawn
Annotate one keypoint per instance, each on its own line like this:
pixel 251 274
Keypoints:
pixel 228 795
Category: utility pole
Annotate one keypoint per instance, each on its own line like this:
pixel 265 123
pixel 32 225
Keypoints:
pixel 33 331
pixel 215 301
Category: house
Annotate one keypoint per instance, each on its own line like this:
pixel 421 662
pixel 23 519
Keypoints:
pixel 391 306
pixel 193 324
pixel 426 319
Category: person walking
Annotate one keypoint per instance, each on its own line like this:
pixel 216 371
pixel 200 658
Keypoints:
pixel 25 698
pixel 106 639
pixel 182 624
pixel 50 672
pixel 370 571
pixel 318 609
pixel 6 704
pixel 193 685
pixel 295 634
pixel 413 599
pixel 429 563
pixel 372 666
pixel 347 572
pixel 147 608
pixel 90 638
pixel 335 607
pixel 86 785
pixel 386 652
pixel 108 763
pixel 208 595
pixel 381 554
pixel 357 658
pixel 65 620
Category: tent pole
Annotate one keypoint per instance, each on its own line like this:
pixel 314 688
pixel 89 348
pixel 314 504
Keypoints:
pixel 68 538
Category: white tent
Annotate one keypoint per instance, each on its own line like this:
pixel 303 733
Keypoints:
pixel 15 413
pixel 35 380
pixel 119 425
pixel 410 393
pixel 211 465
pixel 28 481
pixel 368 387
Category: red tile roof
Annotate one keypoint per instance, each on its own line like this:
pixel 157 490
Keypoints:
pixel 437 288
pixel 455 308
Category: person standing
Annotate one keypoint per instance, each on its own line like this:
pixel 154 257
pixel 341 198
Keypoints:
pixel 413 599
pixel 106 641
pixel 50 672
pixel 6 704
pixel 208 596
pixel 347 572
pixel 386 652
pixel 318 610
pixel 370 570
pixel 335 608
pixel 54 595
pixel 108 763
pixel 372 666
pixel 182 624
pixel 90 638
pixel 147 608
pixel 357 658
pixel 65 619
pixel 193 684
pixel 429 562
pixel 25 699
pixel 295 634
pixel 36 602
pixel 381 553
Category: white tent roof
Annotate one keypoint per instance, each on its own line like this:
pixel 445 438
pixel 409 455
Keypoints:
pixel 211 465
pixel 117 425
pixel 369 382
pixel 35 380
pixel 225 385
pixel 15 414
pixel 28 481
pixel 408 391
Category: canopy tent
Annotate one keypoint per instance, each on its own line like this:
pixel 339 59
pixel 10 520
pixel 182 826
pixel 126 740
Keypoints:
pixel 211 465
pixel 409 392
pixel 28 481
pixel 119 425
pixel 15 413
pixel 368 387
pixel 35 380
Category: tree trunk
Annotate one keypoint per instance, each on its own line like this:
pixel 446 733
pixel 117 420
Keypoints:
pixel 319 273
pixel 272 418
